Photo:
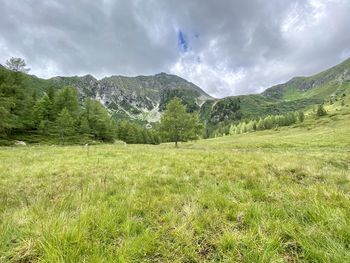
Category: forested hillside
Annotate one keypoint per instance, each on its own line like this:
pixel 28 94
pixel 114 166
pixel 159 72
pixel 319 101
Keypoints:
pixel 39 113
pixel 79 109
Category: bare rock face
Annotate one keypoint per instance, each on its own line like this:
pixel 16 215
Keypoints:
pixel 141 97
pixel 20 143
pixel 144 98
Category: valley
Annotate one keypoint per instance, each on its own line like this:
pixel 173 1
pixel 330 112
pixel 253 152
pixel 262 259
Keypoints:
pixel 277 195
pixel 143 98
pixel 174 131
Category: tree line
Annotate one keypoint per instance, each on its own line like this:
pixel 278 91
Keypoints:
pixel 60 115
pixel 266 123
pixel 136 134
pixel 56 113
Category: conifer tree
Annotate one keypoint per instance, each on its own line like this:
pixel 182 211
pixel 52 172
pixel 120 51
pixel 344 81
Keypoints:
pixel 44 126
pixel 84 127
pixel 65 124
pixel 100 124
pixel 243 127
pixel 321 111
pixel 132 135
pixel 67 98
pixel 232 129
pixel 301 116
pixel 146 137
pixel 268 123
pixel 260 125
pixel 42 110
pixel 15 102
pixel 17 65
pixel 51 94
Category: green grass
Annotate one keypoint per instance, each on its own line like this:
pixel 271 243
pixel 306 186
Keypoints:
pixel 271 196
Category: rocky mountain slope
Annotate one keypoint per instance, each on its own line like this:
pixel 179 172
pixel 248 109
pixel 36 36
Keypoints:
pixel 141 97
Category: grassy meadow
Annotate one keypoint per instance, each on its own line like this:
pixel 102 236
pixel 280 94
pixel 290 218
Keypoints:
pixel 272 196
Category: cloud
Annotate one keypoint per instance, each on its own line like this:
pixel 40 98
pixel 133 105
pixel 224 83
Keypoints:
pixel 226 47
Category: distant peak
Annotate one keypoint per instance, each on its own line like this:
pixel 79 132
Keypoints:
pixel 162 74
pixel 167 75
pixel 89 76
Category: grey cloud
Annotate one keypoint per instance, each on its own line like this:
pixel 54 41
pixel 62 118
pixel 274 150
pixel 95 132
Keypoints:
pixel 234 47
pixel 83 37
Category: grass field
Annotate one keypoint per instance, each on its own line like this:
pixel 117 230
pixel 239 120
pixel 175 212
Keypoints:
pixel 270 196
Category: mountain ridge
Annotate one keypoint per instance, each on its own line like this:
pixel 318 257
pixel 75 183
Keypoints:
pixel 143 97
pixel 339 73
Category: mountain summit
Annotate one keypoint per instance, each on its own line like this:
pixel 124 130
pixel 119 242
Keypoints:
pixel 141 97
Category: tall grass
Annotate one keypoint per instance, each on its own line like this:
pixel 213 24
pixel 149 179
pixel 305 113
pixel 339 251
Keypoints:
pixel 271 196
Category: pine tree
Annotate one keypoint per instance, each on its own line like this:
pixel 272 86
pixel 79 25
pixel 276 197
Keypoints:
pixel 268 123
pixel 156 138
pixel 43 110
pixel 131 136
pixel 301 116
pixel 17 65
pixel 65 124
pixel 44 126
pixel 146 136
pixel 232 129
pixel 84 127
pixel 5 120
pixel 51 94
pixel 243 127
pixel 121 130
pixel 67 98
pixel 321 111
pixel 34 96
pixel 250 126
pixel 254 125
pixel 238 128
pixel 260 125
pixel 15 102
pixel 100 123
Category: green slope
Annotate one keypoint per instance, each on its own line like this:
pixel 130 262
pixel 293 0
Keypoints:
pixel 333 81
pixel 270 196
pixel 140 97
pixel 300 93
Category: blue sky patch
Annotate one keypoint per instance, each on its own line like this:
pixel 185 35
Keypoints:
pixel 182 41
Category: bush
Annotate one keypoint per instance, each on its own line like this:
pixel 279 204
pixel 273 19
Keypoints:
pixel 321 111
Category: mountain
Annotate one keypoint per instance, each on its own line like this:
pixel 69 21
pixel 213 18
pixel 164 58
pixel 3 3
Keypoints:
pixel 321 85
pixel 141 98
pixel 297 94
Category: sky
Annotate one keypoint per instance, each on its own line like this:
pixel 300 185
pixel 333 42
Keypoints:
pixel 225 47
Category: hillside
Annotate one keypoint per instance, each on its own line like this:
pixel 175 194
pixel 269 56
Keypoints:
pixel 297 94
pixel 138 98
pixel 143 98
pixel 331 82
pixel 278 195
